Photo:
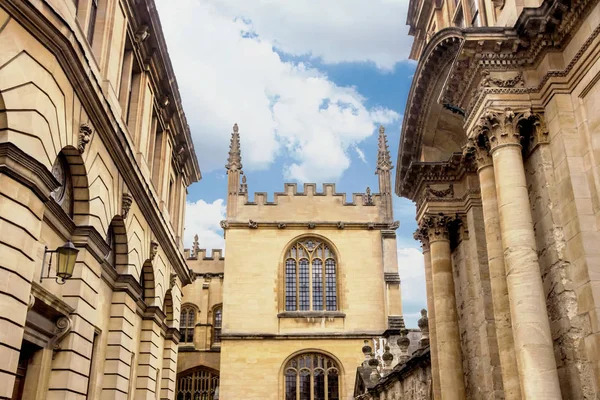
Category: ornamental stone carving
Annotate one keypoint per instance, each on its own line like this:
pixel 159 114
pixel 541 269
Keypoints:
pixel 394 225
pixel 126 205
pixel 341 225
pixel 281 225
pixel 312 225
pixel 224 224
pixel 85 136
pixel 172 281
pixel 422 236
pixel 502 126
pixel 252 224
pixel 368 199
pixel 153 249
pixel 478 148
pixel 62 329
pixel 437 226
pixel 441 193
pixel 488 81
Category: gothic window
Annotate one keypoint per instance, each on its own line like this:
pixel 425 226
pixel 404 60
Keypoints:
pixel 217 323
pixel 310 277
pixel 312 376
pixel 198 384
pixel 63 195
pixel 187 324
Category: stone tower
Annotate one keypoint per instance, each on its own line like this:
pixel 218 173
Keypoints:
pixel 309 275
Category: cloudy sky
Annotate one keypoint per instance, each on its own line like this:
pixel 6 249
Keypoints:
pixel 308 82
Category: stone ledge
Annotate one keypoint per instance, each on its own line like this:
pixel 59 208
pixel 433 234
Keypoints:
pixel 311 314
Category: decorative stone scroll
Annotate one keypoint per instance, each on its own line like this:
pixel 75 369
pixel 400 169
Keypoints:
pixel 126 205
pixel 85 136
pixel 62 329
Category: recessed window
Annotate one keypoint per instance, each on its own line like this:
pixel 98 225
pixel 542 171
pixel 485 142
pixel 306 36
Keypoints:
pixel 310 277
pixel 217 324
pixel 474 9
pixel 92 21
pixel 187 324
pixel 311 376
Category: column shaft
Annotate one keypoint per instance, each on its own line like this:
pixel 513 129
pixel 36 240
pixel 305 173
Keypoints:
pixel 504 334
pixel 435 367
pixel 446 321
pixel 531 328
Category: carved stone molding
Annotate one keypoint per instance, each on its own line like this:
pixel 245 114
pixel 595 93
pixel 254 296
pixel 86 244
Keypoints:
pixel 502 126
pixel 126 204
pixel 142 34
pixel 488 81
pixel 85 135
pixel 153 249
pixel 441 193
pixel 281 225
pixel 394 225
pixel 252 224
pixel 478 148
pixel 63 327
pixel 224 224
pixel 422 236
pixel 438 226
pixel 172 281
pixel 312 225
pixel 341 225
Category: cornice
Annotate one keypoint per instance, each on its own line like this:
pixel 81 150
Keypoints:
pixel 312 336
pixel 71 58
pixel 311 225
pixel 23 168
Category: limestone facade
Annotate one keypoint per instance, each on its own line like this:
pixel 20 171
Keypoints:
pixel 498 151
pixel 95 152
pixel 308 277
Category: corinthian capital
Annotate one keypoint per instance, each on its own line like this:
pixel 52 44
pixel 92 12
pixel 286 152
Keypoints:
pixel 437 226
pixel 478 148
pixel 502 126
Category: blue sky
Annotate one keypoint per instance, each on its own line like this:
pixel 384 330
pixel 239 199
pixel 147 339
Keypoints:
pixel 308 91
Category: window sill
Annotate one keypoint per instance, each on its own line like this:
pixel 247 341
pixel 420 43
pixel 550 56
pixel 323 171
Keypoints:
pixel 186 347
pixel 311 314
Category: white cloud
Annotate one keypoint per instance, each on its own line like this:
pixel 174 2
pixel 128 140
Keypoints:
pixel 228 72
pixel 202 219
pixel 412 277
pixel 333 30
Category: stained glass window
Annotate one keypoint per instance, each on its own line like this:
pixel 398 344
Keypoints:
pixel 311 376
pixel 310 277
pixel 187 324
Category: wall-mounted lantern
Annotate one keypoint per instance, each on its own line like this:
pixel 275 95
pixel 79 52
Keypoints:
pixel 65 262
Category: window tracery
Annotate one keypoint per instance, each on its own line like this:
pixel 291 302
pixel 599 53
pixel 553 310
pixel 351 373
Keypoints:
pixel 310 277
pixel 187 324
pixel 311 376
pixel 199 384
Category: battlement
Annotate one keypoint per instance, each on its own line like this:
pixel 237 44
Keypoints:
pixel 310 189
pixel 311 205
pixel 199 262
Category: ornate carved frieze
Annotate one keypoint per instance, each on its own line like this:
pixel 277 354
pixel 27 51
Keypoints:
pixel 449 192
pixel 488 81
pixel 126 205
pixel 153 249
pixel 85 136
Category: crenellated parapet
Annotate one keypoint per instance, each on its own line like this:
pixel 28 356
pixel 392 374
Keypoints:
pixel 311 205
pixel 201 263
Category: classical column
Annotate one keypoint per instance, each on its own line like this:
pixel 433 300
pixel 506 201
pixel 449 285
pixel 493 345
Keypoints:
pixel 479 147
pixel 422 236
pixel 446 316
pixel 531 328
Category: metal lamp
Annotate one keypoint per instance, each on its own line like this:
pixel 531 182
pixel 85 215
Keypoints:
pixel 66 255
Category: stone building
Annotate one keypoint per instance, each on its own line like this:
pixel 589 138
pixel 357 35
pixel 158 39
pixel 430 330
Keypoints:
pixel 307 278
pixel 499 151
pixel 95 158
pixel 199 359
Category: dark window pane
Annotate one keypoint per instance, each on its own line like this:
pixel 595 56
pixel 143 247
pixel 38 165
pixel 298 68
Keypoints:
pixel 317 269
pixel 304 385
pixel 217 325
pixel 290 285
pixel 333 390
pixel 331 285
pixel 92 21
pixel 319 385
pixel 304 285
pixel 290 386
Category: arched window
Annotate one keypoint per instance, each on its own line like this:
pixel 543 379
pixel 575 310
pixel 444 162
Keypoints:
pixel 217 323
pixel 187 324
pixel 197 384
pixel 310 276
pixel 312 376
pixel 63 194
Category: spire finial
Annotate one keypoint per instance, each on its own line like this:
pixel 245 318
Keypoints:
pixel 196 246
pixel 384 160
pixel 234 161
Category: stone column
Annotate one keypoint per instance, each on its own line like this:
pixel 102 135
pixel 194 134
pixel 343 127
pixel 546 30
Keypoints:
pixel 422 235
pixel 531 328
pixel 504 334
pixel 446 316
